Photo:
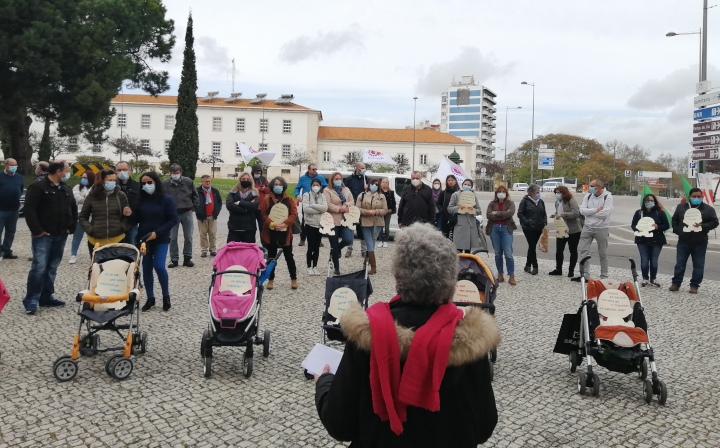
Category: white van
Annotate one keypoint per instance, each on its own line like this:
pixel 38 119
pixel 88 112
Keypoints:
pixel 550 186
pixel 519 186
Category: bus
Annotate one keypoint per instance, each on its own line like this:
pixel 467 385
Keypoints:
pixel 569 182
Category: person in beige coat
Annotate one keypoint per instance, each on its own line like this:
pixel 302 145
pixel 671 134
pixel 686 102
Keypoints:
pixel 373 207
pixel 338 198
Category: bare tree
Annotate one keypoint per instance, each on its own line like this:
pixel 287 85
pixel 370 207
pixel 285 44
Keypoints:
pixel 350 159
pixel 132 146
pixel 213 160
pixel 402 164
pixel 431 168
pixel 57 145
pixel 298 158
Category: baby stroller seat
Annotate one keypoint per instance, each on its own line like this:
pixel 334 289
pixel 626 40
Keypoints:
pixel 113 292
pixel 340 292
pixel 615 311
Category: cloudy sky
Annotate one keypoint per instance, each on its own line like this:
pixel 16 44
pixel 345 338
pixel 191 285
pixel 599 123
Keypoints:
pixel 602 69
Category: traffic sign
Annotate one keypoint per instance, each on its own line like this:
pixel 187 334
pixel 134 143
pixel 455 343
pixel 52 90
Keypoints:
pixel 706 140
pixel 546 159
pixel 707 99
pixel 628 173
pixel 655 174
pixel 706 126
pixel 80 168
pixel 706 154
pixel 710 112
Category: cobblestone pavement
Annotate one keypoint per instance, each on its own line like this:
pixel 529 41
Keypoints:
pixel 167 401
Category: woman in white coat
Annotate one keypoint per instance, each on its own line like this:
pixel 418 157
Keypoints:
pixel 466 231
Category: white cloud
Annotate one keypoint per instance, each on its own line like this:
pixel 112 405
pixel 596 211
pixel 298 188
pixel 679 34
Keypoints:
pixel 322 44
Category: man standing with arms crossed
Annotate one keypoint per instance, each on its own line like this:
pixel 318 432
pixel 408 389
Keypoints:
pixel 596 208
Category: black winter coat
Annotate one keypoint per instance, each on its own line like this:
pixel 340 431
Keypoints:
pixel 131 188
pixel 245 214
pixel 200 212
pixel 50 208
pixel 658 237
pixel 532 216
pixel 390 199
pixel 416 204
pixel 468 414
pixel 356 184
pixel 709 222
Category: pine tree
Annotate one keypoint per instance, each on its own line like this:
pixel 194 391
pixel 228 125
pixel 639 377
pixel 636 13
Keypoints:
pixel 185 145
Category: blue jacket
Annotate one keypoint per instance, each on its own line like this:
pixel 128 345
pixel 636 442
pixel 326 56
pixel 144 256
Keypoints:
pixel 11 188
pixel 156 214
pixel 303 185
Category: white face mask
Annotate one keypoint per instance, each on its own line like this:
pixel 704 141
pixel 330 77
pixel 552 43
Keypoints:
pixel 436 186
pixel 415 182
pixel 501 196
pixel 316 188
pixel 175 177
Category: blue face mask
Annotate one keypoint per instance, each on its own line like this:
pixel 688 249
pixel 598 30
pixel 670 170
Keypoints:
pixel 123 175
pixel 66 177
pixel 277 189
pixel 649 204
pixel 149 188
pixel 12 169
pixel 110 185
pixel 558 196
pixel 696 201
pixel 537 196
pixel 373 187
pixel 467 188
pixel 337 183
pixel 362 171
pixel 84 181
pixel 591 190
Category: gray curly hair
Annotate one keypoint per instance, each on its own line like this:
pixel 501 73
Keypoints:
pixel 425 265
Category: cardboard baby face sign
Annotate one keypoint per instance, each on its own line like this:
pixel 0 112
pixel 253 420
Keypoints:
pixel 327 224
pixel 352 217
pixel 692 216
pixel 645 227
pixel 278 213
pixel 238 284
pixel 467 291
pixel 561 228
pixel 467 199
pixel 340 301
pixel 614 306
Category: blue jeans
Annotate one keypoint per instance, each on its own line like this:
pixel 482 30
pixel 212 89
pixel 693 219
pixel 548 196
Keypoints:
pixel 502 241
pixel 77 239
pixel 154 258
pixel 369 235
pixel 186 221
pixel 438 220
pixel 130 235
pixel 649 260
pixel 343 237
pixel 8 223
pixel 684 251
pixel 47 254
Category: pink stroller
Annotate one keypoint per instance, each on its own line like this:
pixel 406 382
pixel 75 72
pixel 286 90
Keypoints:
pixel 4 295
pixel 235 298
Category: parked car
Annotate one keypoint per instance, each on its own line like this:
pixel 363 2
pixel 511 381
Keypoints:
pixel 519 186
pixel 22 202
pixel 550 186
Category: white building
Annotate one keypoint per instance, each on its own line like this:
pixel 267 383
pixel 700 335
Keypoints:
pixel 467 110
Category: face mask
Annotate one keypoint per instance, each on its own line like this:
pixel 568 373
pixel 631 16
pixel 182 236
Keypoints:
pixel 66 177
pixel 696 201
pixel 109 186
pixel 245 183
pixel 501 196
pixel 316 188
pixel 362 171
pixel 123 175
pixel 591 190
pixel 277 189
pixel 256 175
pixel 84 181
pixel 373 187
pixel 337 183
pixel 415 182
pixel 467 188
pixel 649 204
pixel 149 188
pixel 436 186
pixel 175 177
pixel 558 196
pixel 537 196
pixel 12 169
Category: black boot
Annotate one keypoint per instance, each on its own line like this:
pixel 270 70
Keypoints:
pixel 188 262
pixel 166 303
pixel 149 303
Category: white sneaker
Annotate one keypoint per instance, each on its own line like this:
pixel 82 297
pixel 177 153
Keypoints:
pixel 310 271
pixel 385 244
pixel 315 271
pixel 73 259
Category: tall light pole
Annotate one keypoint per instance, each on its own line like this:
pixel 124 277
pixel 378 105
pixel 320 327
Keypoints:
pixel 532 143
pixel 702 75
pixel 506 127
pixel 414 124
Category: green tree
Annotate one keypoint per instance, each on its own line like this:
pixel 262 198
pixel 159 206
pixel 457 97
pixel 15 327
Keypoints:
pixel 185 143
pixel 63 61
pixel 402 164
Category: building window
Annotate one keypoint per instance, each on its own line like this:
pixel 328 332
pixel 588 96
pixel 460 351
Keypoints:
pixel 216 148
pixel 145 122
pixel 287 126
pixel 72 144
pixel 97 147
pixel 263 125
pixel 122 120
pixel 263 147
pixel 284 172
pixel 169 122
pixel 217 124
pixel 145 144
pixel 167 146
pixel 423 159
pixel 239 125
pixel 326 156
pixel 215 168
pixel 286 150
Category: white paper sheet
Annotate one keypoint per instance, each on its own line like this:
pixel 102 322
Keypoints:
pixel 319 356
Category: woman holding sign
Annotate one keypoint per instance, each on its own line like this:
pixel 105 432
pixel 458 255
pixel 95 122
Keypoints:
pixel 465 205
pixel 373 207
pixel 339 198
pixel 649 223
pixel 278 214
pixel 314 204
pixel 568 223
pixel 501 226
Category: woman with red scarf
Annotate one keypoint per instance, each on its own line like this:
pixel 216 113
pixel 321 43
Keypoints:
pixel 405 357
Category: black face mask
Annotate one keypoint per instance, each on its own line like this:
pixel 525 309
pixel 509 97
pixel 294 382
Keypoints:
pixel 245 183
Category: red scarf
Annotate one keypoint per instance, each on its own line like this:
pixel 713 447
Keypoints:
pixel 419 383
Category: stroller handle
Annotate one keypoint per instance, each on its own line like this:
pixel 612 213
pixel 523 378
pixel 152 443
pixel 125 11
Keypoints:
pixel 215 274
pixel 633 269
pixel 487 306
pixel 582 266
pixel 277 257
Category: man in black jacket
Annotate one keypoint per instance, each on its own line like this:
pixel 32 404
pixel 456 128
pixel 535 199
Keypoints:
pixel 357 183
pixel 51 215
pixel 207 213
pixel 131 188
pixel 416 202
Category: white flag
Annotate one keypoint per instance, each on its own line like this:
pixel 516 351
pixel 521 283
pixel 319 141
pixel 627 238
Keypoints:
pixel 248 154
pixel 375 156
pixel 448 167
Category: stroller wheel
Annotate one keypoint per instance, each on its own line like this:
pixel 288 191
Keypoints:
pixel 647 391
pixel 581 382
pixel 266 344
pixel 207 366
pixel 307 375
pixel 247 365
pixel 643 369
pixel 109 363
pixel 143 342
pixel 595 385
pixel 203 342
pixel 121 368
pixel 662 392
pixel 573 360
pixel 65 368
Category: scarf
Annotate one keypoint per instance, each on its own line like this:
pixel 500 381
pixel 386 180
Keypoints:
pixel 339 191
pixel 244 195
pixel 419 383
pixel 208 195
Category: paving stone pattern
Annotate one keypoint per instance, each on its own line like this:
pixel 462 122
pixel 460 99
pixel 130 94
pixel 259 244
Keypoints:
pixel 167 401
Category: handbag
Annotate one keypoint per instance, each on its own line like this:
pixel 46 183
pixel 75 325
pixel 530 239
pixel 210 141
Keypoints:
pixel 543 246
pixel 296 227
pixel 488 227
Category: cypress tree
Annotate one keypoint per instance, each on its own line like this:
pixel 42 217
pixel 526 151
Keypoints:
pixel 185 144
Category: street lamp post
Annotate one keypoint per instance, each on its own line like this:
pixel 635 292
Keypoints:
pixel 506 132
pixel 532 142
pixel 414 125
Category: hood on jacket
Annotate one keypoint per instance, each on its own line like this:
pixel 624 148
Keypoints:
pixel 257 166
pixel 475 335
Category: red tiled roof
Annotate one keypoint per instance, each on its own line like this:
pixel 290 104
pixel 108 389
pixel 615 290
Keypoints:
pixel 387 135
pixel 215 102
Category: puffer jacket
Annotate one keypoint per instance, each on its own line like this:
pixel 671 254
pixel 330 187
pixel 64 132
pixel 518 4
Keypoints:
pixel 244 213
pixel 313 206
pixel 368 201
pixel 106 210
pixel 532 216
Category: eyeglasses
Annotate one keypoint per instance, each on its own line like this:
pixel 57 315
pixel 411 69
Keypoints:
pixel 147 183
